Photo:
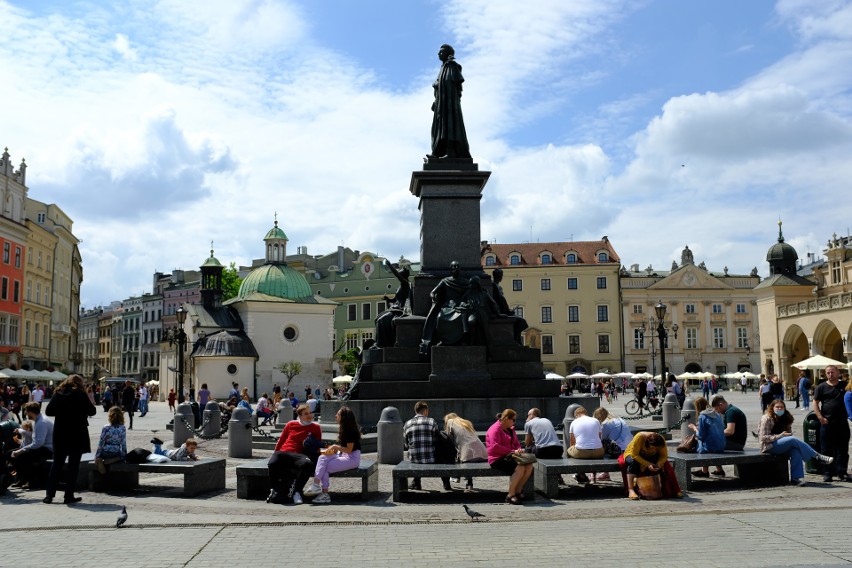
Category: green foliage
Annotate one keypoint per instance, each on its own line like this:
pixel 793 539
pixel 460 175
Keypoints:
pixel 349 361
pixel 290 369
pixel 230 282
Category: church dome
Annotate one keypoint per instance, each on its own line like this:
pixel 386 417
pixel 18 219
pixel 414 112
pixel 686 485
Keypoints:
pixel 781 256
pixel 277 280
pixel 275 233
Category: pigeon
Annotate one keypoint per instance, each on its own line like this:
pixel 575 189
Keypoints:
pixel 471 513
pixel 122 517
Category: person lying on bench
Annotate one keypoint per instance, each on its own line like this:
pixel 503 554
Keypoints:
pixel 184 453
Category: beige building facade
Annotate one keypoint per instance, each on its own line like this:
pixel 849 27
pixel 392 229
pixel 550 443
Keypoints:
pixel 38 296
pixel 715 313
pixel 568 294
pixel 805 311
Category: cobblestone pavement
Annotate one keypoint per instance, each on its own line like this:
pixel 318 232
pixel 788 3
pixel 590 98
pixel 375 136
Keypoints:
pixel 719 525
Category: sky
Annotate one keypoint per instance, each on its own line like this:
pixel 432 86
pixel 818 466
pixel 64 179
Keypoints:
pixel 163 125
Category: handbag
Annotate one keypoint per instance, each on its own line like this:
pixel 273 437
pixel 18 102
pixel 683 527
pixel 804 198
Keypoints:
pixel 689 445
pixel 524 458
pixel 611 449
pixel 649 486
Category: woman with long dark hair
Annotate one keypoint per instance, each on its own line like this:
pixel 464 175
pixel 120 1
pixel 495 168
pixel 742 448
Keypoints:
pixel 340 456
pixel 70 408
pixel 776 437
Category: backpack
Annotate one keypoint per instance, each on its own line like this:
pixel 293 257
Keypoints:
pixel 137 455
pixel 445 448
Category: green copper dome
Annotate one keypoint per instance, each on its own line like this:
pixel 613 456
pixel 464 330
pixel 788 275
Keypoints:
pixel 212 261
pixel 275 233
pixel 278 280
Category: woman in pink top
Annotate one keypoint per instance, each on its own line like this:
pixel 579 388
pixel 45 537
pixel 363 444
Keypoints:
pixel 501 442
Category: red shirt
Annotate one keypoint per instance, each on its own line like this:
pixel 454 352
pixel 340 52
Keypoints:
pixel 294 434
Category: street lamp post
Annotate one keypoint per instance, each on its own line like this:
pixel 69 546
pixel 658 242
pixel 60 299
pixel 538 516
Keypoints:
pixel 177 336
pixel 663 334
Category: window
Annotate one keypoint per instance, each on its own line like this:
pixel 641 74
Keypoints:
pixel 574 344
pixel 519 311
pixel 40 217
pixel 637 308
pixel 291 333
pixel 35 336
pixel 603 313
pixel 353 312
pixel 717 308
pixel 7 252
pixel 601 282
pixel 835 272
pixel 515 259
pixel 741 308
pixel 351 341
pixel 381 307
pixel 603 257
pixel 232 369
pixel 546 314
pixel 4 288
pixel 638 339
pixel 17 257
pixel 517 285
pixel 545 283
pixel 573 313
pixel 718 337
pixel 366 311
pixel 547 345
pixel 489 261
pixel 691 338
pixel 39 259
pixel 603 344
pixel 742 337
pixel 571 258
pixel 545 259
pixel 572 283
pixel 690 308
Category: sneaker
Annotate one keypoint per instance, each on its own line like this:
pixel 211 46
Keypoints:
pixel 824 459
pixel 798 482
pixel 581 478
pixel 322 498
pixel 313 490
pixel 297 499
pixel 156 441
pixel 826 478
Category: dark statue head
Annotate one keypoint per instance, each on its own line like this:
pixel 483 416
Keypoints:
pixel 455 268
pixel 475 283
pixel 446 51
pixel 497 275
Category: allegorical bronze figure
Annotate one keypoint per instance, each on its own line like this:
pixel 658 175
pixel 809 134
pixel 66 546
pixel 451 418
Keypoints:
pixel 449 139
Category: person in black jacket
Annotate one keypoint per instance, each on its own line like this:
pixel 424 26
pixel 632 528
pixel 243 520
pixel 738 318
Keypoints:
pixel 70 408
pixel 128 401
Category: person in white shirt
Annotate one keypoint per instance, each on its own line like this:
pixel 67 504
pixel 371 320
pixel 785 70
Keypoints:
pixel 38 394
pixel 585 436
pixel 143 401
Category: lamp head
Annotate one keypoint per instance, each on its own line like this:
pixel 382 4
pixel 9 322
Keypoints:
pixel 660 309
pixel 181 316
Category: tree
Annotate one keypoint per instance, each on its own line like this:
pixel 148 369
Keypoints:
pixel 349 361
pixel 230 282
pixel 290 369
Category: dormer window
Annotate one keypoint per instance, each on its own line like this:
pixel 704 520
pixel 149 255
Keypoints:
pixel 545 258
pixel 571 258
pixel 490 260
pixel 515 259
pixel 603 257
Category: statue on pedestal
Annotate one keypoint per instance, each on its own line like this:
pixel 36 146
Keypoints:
pixel 449 138
pixel 445 297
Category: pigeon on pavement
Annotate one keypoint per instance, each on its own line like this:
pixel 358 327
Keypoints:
pixel 471 513
pixel 122 517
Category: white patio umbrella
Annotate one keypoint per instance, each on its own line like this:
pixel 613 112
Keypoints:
pixel 553 376
pixel 646 375
pixel 624 375
pixel 601 375
pixel 342 379
pixel 686 375
pixel 577 375
pixel 750 375
pixel 817 362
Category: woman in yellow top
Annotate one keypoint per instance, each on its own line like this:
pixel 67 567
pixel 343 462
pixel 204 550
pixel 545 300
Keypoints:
pixel 647 455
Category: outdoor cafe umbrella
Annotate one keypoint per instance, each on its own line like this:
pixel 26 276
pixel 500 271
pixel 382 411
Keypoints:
pixel 342 379
pixel 553 376
pixel 601 375
pixel 817 362
pixel 577 375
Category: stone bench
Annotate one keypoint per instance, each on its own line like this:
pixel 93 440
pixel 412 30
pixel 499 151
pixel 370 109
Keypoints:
pixel 201 476
pixel 253 478
pixel 751 466
pixel 406 469
pixel 547 471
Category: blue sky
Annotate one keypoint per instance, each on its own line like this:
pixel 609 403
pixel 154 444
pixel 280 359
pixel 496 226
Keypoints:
pixel 162 125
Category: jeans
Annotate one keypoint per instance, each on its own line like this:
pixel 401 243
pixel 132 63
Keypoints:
pixel 806 401
pixel 334 463
pixel 798 452
pixel 143 407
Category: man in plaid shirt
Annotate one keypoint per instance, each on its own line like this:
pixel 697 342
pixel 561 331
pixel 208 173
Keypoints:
pixel 420 434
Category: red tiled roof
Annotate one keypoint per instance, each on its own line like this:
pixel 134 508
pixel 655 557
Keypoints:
pixel 586 251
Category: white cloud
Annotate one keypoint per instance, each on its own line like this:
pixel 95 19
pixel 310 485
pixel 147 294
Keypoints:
pixel 122 46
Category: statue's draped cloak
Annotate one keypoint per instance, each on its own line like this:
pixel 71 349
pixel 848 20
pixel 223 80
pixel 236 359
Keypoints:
pixel 448 131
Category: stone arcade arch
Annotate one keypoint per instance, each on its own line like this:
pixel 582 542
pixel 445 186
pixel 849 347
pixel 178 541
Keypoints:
pixel 827 341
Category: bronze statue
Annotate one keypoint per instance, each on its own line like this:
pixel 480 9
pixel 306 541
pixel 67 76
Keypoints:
pixel 478 308
pixel 520 323
pixel 385 333
pixel 449 139
pixel 445 296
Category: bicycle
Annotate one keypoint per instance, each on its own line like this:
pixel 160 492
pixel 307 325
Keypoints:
pixel 633 406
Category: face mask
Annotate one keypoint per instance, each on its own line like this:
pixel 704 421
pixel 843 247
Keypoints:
pixel 303 423
pixel 780 412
